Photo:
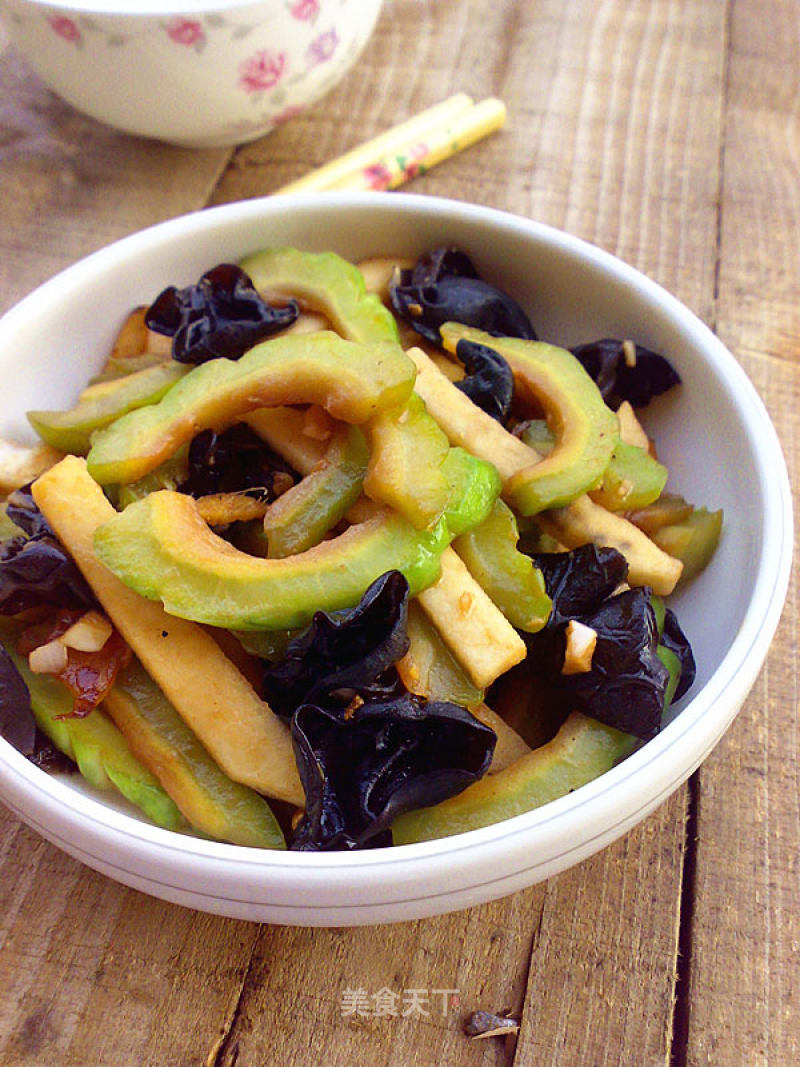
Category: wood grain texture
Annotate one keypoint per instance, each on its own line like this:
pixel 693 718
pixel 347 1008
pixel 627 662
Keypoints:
pixel 302 980
pixel 93 973
pixel 745 934
pixel 667 132
pixel 609 927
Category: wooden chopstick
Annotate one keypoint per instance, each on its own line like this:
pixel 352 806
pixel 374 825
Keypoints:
pixel 409 149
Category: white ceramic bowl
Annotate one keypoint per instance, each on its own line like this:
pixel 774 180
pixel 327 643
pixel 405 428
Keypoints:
pixel 202 73
pixel 713 432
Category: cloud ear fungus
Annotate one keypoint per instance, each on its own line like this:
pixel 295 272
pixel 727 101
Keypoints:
pixel 625 371
pixel 673 638
pixel 34 568
pixel 233 461
pixel 367 749
pixel 23 512
pixel 580 580
pixel 626 685
pixel 439 263
pixel 445 287
pixel 340 650
pixel 17 724
pixel 222 316
pixel 489 382
pixel 362 771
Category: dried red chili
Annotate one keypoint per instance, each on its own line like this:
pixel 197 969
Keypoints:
pixel 88 675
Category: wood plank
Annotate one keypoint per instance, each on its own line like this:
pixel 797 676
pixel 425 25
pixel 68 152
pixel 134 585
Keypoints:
pixel 405 69
pixel 602 977
pixel 745 963
pixel 634 169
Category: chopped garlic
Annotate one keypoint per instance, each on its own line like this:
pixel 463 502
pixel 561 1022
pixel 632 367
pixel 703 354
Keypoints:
pixel 50 658
pixel 581 643
pixel 88 634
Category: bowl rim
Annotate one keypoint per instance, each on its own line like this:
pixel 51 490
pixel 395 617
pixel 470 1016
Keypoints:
pixel 707 714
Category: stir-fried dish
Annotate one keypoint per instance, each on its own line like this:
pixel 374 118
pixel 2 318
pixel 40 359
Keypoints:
pixel 344 557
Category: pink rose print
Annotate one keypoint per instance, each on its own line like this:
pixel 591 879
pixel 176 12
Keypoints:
pixel 412 165
pixel 377 176
pixel 185 31
pixel 382 176
pixel 65 28
pixel 304 9
pixel 322 48
pixel 262 71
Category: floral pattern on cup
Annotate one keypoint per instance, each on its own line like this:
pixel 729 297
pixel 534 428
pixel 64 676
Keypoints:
pixel 307 10
pixel 186 32
pixel 322 48
pixel 65 28
pixel 261 71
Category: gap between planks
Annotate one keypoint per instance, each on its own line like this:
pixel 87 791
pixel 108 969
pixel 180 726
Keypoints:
pixel 229 1026
pixel 682 1009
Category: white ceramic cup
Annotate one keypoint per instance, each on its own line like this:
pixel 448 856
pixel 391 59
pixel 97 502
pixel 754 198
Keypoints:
pixel 201 73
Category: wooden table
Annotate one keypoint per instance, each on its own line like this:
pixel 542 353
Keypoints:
pixel 668 132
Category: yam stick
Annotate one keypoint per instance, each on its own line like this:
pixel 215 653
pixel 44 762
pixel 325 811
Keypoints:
pixel 578 523
pixel 379 272
pixel 631 430
pixel 465 424
pixel 135 338
pixel 584 521
pixel 247 740
pixel 430 670
pixel 475 630
pixel 283 430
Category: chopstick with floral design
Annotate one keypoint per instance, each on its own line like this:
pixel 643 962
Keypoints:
pixel 412 148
